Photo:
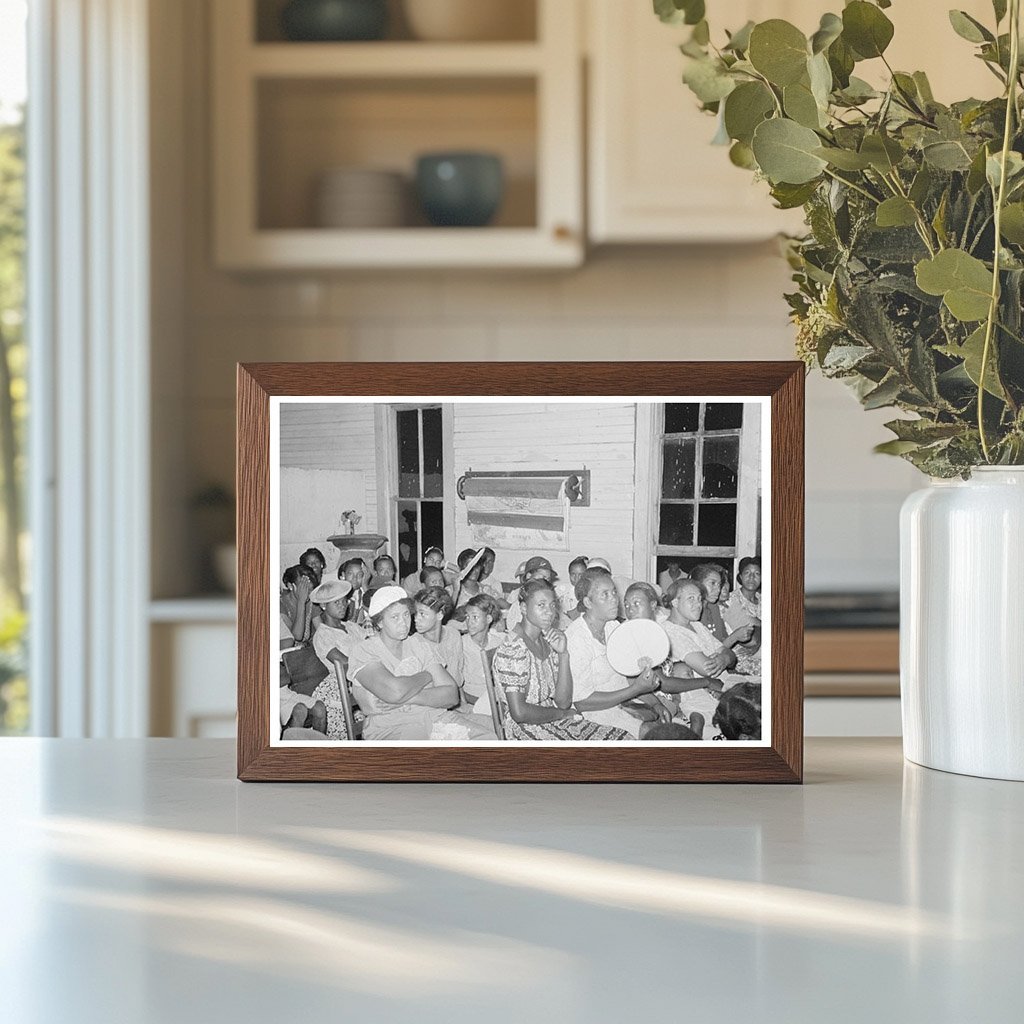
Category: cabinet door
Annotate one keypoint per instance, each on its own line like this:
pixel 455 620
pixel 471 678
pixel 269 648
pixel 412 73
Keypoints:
pixel 653 174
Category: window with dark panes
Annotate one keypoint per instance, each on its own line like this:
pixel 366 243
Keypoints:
pixel 699 491
pixel 420 508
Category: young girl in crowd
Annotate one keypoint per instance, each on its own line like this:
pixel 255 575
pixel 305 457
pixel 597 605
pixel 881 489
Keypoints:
pixel 566 589
pixel 536 568
pixel 433 606
pixel 401 685
pixel 744 607
pixel 601 693
pixel 643 602
pixel 384 572
pixel 488 585
pixel 336 631
pixel 533 677
pixel 699 659
pixel 710 577
pixel 313 558
pixel 467 584
pixel 298 582
pixel 481 614
pixel 433 558
pixel 334 636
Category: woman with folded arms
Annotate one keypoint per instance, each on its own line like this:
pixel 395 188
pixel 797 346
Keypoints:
pixel 401 685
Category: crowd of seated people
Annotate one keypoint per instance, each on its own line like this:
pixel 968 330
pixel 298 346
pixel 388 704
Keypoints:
pixel 447 655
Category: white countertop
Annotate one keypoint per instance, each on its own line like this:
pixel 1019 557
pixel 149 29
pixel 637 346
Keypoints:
pixel 143 884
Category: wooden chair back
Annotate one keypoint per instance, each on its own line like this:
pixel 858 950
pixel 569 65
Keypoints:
pixel 497 714
pixel 340 664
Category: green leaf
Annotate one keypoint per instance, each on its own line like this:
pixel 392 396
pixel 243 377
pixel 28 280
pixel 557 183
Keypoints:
pixel 745 108
pixel 1011 226
pixel 999 7
pixel 924 88
pixel 923 431
pixel 789 197
pixel 785 152
pixel 841 60
pixel 971 352
pixel 679 12
pixel 866 29
pixel 707 80
pixel 946 156
pixel 701 33
pixel 921 185
pixel 800 105
pixel 963 281
pixel 939 220
pixel 896 212
pixel 844 159
pixel 739 41
pixel 858 91
pixel 976 174
pixel 778 50
pixel 968 28
pixel 883 153
pixel 742 155
pixel 820 76
pixel 829 30
pixel 994 167
pixel 885 394
pixel 895 447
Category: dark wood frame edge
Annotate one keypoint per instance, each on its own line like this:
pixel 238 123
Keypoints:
pixel 782 762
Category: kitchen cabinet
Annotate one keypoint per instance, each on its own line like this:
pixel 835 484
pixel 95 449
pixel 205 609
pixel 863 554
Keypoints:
pixel 287 113
pixel 653 175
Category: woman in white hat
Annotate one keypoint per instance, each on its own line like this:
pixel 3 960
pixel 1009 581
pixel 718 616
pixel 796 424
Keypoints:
pixel 404 691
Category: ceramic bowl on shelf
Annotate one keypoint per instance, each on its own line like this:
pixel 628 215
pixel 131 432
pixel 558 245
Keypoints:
pixel 332 21
pixel 471 20
pixel 460 189
pixel 361 198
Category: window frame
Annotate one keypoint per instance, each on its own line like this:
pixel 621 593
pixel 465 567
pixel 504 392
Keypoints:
pixel 389 471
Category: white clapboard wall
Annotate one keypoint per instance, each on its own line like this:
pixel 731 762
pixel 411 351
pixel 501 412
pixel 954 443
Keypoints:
pixel 337 436
pixel 515 437
pixel 312 503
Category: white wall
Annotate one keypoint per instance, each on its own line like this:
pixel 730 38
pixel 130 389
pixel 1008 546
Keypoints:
pixel 600 437
pixel 710 302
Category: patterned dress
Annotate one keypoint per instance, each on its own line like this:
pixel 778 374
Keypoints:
pixel 518 669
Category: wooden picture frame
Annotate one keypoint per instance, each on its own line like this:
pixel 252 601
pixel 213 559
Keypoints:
pixel 780 759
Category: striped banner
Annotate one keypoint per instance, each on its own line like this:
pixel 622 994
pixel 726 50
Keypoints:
pixel 519 522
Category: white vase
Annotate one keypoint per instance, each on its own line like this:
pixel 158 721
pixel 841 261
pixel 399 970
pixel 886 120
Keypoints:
pixel 962 624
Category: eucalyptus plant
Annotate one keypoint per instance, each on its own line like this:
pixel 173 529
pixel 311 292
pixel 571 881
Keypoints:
pixel 909 280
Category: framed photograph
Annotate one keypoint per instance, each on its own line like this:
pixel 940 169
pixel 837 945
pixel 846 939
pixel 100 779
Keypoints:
pixel 561 572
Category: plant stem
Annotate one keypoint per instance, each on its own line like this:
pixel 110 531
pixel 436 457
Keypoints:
pixel 855 187
pixel 993 308
pixel 922 225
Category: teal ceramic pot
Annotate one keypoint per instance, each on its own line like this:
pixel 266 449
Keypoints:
pixel 460 189
pixel 332 21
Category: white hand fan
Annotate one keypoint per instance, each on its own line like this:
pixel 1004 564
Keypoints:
pixel 631 641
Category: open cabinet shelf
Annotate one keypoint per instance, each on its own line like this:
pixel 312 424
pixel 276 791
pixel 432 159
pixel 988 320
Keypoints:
pixel 287 114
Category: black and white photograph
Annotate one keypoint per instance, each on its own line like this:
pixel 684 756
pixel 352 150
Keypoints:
pixel 494 570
